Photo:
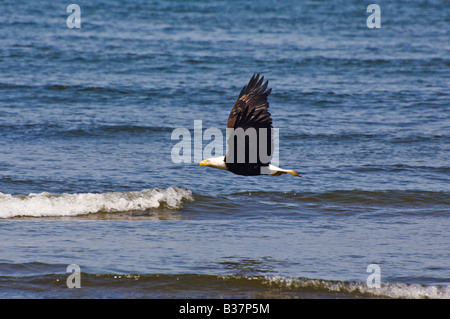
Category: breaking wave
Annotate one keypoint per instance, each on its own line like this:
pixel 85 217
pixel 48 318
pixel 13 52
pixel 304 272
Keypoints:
pixel 386 290
pixel 46 204
pixel 168 286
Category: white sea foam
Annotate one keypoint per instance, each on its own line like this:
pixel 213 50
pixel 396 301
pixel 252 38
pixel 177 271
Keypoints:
pixel 386 290
pixel 46 204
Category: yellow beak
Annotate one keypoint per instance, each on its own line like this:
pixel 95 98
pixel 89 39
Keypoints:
pixel 203 163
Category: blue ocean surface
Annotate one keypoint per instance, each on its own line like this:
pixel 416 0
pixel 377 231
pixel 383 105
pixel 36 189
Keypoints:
pixel 88 177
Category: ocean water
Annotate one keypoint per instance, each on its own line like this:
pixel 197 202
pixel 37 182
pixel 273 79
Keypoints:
pixel 87 176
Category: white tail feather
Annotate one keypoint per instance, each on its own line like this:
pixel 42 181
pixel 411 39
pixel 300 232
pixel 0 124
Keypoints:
pixel 276 171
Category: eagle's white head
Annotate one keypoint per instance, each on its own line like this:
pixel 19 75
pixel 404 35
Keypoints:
pixel 216 162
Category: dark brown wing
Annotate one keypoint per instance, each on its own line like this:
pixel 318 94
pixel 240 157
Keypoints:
pixel 250 111
pixel 251 107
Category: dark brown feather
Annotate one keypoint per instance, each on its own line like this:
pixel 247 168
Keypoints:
pixel 250 111
pixel 253 96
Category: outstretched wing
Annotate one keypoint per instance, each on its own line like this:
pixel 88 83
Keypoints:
pixel 250 114
pixel 251 107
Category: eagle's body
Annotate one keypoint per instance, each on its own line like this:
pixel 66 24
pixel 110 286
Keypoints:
pixel 250 141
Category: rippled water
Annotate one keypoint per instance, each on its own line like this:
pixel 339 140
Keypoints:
pixel 87 178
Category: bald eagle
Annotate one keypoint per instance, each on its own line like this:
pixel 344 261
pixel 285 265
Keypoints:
pixel 250 139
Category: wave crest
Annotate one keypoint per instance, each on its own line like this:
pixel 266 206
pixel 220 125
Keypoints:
pixel 386 290
pixel 46 204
